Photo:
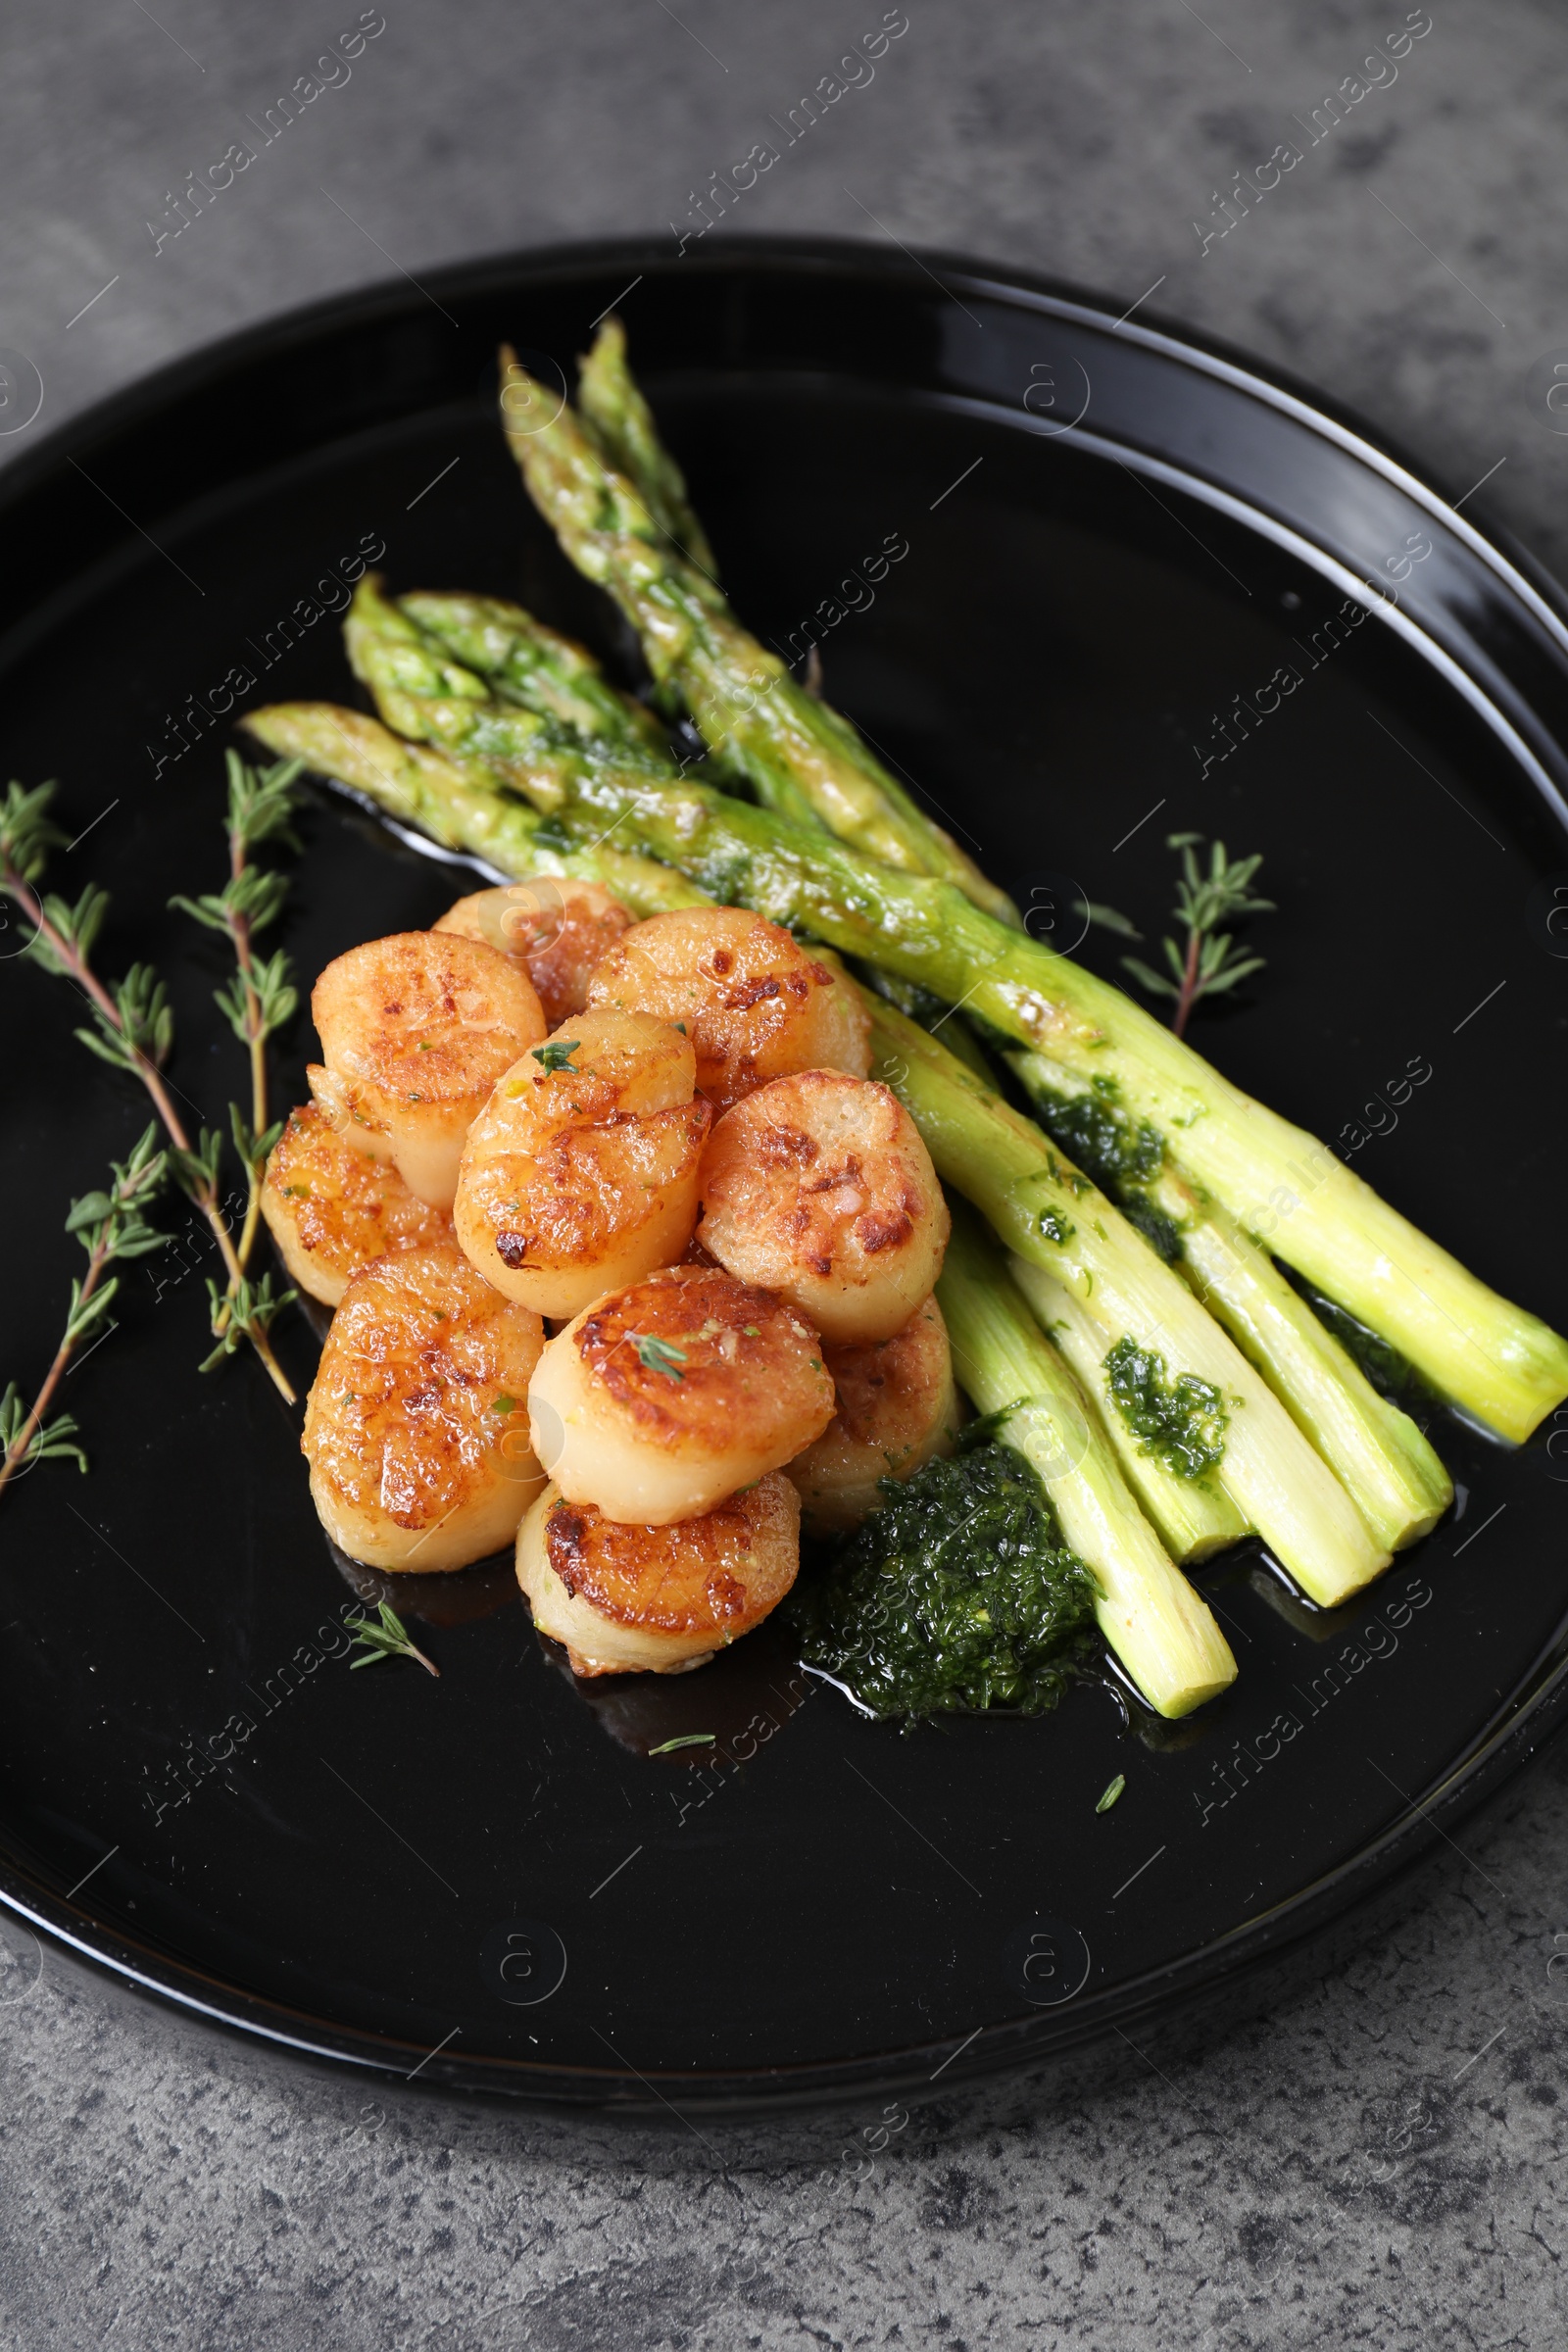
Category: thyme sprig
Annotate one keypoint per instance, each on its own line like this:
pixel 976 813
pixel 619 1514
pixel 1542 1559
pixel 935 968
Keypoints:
pixel 258 999
pixel 387 1640
pixel 132 1024
pixel 1208 963
pixel 111 1226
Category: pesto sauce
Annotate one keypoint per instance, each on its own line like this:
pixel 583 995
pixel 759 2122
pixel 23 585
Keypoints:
pixel 957 1594
pixel 1096 1133
pixel 1162 1232
pixel 1181 1422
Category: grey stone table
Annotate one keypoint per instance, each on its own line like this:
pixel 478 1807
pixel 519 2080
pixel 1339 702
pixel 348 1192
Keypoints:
pixel 1383 2162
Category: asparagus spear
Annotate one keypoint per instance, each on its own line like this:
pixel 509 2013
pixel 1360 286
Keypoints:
pixel 1380 1457
pixel 1160 1629
pixel 1168 1358
pixel 799 756
pixel 527 664
pixel 456 806
pixel 1285 1189
pixel 610 405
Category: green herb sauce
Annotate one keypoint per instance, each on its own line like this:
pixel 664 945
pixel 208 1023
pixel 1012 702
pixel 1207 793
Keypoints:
pixel 1096 1133
pixel 1181 1422
pixel 1120 1154
pixel 1162 1232
pixel 957 1594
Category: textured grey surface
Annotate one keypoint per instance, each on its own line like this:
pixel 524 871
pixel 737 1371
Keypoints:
pixel 1345 2171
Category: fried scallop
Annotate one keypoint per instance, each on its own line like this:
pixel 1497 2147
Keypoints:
pixel 897 1408
pixel 580 1174
pixel 332 1210
pixel 554 925
pixel 415 1428
pixel 818 1186
pixel 754 1001
pixel 414 1031
pixel 669 1396
pixel 658 1599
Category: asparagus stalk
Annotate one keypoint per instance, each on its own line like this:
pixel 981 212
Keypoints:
pixel 612 406
pixel 800 756
pixel 525 663
pixel 1496 1361
pixel 456 806
pixel 1053 1217
pixel 1162 1632
pixel 1384 1461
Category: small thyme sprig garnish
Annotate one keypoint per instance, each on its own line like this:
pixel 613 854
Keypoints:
pixel 554 1057
pixel 668 1748
pixel 258 1000
pixel 1209 963
pixel 110 1226
pixel 657 1355
pixel 134 1026
pixel 1110 1793
pixel 387 1640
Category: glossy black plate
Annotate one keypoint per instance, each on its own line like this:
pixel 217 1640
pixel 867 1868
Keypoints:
pixel 1110 535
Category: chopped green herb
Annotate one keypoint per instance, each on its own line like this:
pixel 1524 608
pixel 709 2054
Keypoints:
pixel 557 1056
pixel 668 1748
pixel 751 1331
pixel 504 1405
pixel 1111 1793
pixel 1181 1422
pixel 958 1593
pixel 657 1355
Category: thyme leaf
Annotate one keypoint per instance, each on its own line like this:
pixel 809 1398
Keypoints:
pixel 387 1639
pixel 1208 963
pixel 557 1056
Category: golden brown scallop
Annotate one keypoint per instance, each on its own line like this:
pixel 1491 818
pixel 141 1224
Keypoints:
pixel 818 1186
pixel 414 1031
pixel 332 1210
pixel 554 925
pixel 658 1599
pixel 415 1429
pixel 666 1397
pixel 897 1408
pixel 580 1174
pixel 754 1001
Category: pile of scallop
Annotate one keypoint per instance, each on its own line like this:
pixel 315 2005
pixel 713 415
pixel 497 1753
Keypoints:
pixel 630 1260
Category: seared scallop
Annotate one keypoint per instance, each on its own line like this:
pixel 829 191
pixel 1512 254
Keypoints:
pixel 897 1408
pixel 332 1210
pixel 664 1398
pixel 580 1174
pixel 414 1031
pixel 656 1599
pixel 754 1001
pixel 819 1186
pixel 552 924
pixel 415 1430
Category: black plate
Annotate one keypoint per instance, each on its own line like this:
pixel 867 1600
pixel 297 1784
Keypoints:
pixel 1112 533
